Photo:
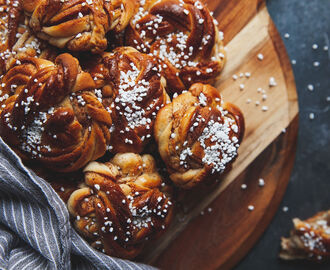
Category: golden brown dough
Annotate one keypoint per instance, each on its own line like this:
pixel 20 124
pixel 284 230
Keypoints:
pixel 133 92
pixel 17 40
pixel 310 239
pixel 184 37
pixel 79 25
pixel 198 135
pixel 9 19
pixel 50 113
pixel 123 204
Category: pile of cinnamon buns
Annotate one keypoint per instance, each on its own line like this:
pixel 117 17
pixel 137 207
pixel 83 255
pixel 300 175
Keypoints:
pixel 116 93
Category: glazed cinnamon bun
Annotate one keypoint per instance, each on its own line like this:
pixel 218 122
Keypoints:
pixel 123 203
pixel 50 113
pixel 198 135
pixel 184 37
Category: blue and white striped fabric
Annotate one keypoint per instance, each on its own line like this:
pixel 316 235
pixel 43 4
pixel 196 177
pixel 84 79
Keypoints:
pixel 35 232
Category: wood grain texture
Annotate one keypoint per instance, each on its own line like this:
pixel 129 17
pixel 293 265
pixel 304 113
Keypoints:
pixel 219 239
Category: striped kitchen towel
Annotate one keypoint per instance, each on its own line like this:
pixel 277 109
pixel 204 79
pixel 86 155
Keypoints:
pixel 35 232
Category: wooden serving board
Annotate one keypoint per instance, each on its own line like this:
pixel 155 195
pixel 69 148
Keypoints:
pixel 227 230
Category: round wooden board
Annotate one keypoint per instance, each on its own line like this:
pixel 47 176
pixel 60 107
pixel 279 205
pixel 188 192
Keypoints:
pixel 220 238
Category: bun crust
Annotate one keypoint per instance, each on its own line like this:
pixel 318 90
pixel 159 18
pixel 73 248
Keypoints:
pixel 183 36
pixel 78 25
pixel 121 205
pixel 198 135
pixel 137 90
pixel 309 239
pixel 53 115
pixel 17 40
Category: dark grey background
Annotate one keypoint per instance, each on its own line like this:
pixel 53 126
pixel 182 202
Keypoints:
pixel 308 23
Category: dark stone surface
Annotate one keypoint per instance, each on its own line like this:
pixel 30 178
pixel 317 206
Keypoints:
pixel 308 23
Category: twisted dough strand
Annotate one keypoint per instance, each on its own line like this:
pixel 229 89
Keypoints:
pixel 17 40
pixel 309 239
pixel 184 37
pixel 198 135
pixel 121 205
pixel 133 92
pixel 50 113
pixel 78 25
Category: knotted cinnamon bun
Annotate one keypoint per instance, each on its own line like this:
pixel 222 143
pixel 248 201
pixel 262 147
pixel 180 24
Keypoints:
pixel 78 25
pixel 50 113
pixel 184 37
pixel 133 92
pixel 17 40
pixel 310 239
pixel 198 135
pixel 123 203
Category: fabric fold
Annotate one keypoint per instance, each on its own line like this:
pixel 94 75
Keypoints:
pixel 35 232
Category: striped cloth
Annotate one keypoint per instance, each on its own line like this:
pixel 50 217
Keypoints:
pixel 35 232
